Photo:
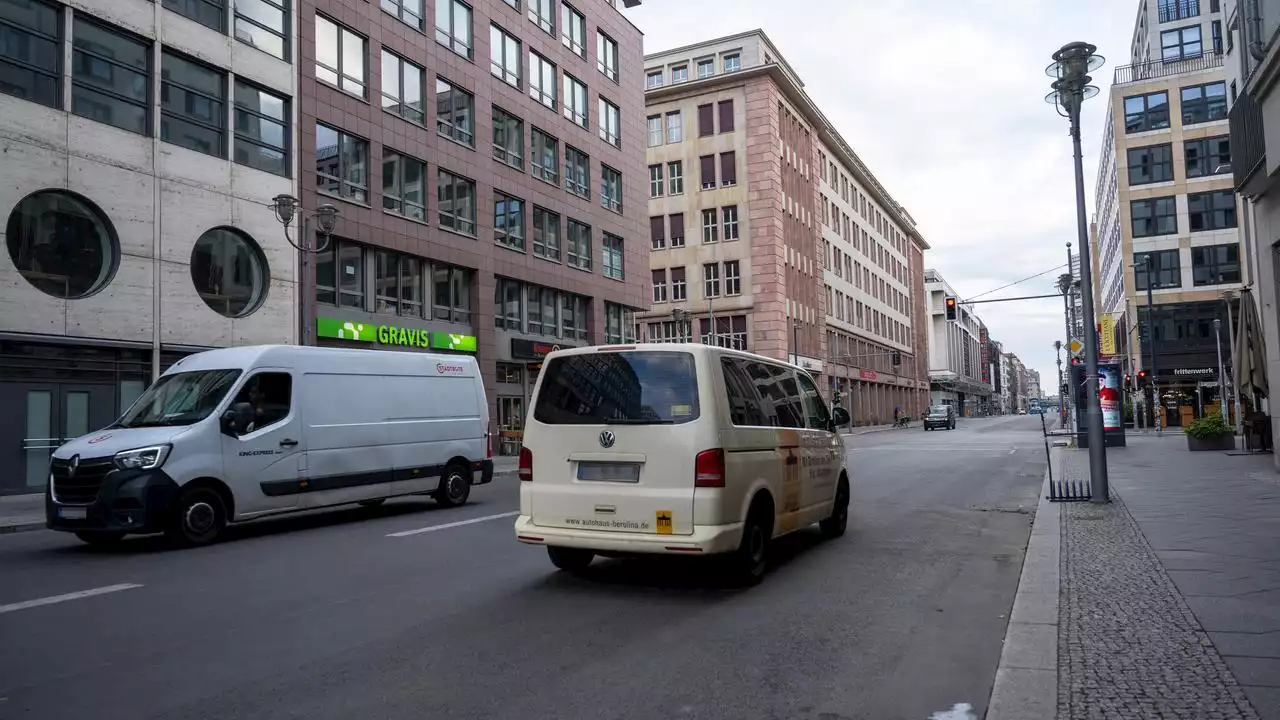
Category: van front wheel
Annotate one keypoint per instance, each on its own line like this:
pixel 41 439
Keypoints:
pixel 198 517
pixel 572 560
pixel 455 486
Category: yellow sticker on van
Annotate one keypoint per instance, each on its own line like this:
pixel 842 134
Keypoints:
pixel 681 410
pixel 662 519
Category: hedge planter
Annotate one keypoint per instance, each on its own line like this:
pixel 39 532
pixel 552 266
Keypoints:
pixel 1218 442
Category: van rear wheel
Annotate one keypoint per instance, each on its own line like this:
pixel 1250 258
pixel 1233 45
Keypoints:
pixel 573 560
pixel 834 525
pixel 749 561
pixel 455 486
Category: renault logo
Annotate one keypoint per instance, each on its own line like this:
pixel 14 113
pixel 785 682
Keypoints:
pixel 607 438
pixel 73 466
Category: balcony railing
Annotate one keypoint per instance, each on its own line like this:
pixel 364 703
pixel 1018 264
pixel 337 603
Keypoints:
pixel 1248 142
pixel 1141 72
pixel 1171 10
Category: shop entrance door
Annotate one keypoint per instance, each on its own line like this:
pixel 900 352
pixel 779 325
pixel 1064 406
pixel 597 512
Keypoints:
pixel 45 416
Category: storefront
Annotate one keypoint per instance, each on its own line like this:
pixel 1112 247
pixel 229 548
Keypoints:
pixel 1188 393
pixel 517 372
pixel 335 332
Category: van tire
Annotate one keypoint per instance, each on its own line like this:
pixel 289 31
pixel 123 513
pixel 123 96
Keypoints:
pixel 371 503
pixel 748 563
pixel 834 525
pixel 101 539
pixel 197 517
pixel 455 486
pixel 574 560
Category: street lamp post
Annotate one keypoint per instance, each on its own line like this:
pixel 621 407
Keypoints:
pixel 795 342
pixel 326 216
pixel 1062 401
pixel 1064 287
pixel 1071 67
pixel 1222 381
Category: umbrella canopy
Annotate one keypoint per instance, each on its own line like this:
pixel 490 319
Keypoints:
pixel 1250 353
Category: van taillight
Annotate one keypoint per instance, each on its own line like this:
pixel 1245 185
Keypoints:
pixel 488 448
pixel 526 465
pixel 708 469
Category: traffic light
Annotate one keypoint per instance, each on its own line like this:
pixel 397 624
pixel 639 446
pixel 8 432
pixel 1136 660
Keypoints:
pixel 836 401
pixel 897 358
pixel 1142 378
pixel 1128 381
pixel 951 308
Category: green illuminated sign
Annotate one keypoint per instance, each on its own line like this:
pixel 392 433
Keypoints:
pixel 391 335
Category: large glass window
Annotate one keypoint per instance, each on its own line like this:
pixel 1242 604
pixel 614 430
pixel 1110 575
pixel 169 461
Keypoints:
pixel 675 177
pixel 732 277
pixel 1204 103
pixel 675 127
pixel 1172 10
pixel 452 295
pixel 711 280
pixel 543 14
pixel 398 284
pixel 729 214
pixel 508 221
pixel 457 202
pixel 31 51
pixel 453 26
pixel 192 105
pixel 542 80
pixel 679 286
pixel 340 275
pixel 1215 264
pixel 1157 216
pixel 229 272
pixel 577 168
pixel 341 57
pixel 455 113
pixel 611 257
pixel 402 88
pixel 610 123
pixel 264 24
pixel 579 245
pixel 1166 266
pixel 508 305
pixel 654 126
pixel 1181 43
pixel 208 13
pixel 607 56
pixel 504 56
pixel 728 332
pixel 619 323
pixel 62 244
pixel 656 183
pixel 546 234
pixel 262 129
pixel 110 76
pixel 1146 112
pixel 610 188
pixel 404 185
pixel 1208 156
pixel 659 285
pixel 342 164
pixel 1211 210
pixel 508 138
pixel 546 156
pixel 573 29
pixel 409 11
pixel 1150 164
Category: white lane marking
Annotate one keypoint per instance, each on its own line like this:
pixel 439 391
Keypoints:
pixel 14 607
pixel 959 711
pixel 460 523
pixel 1013 451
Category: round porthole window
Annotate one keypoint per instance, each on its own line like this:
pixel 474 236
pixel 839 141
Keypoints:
pixel 62 244
pixel 229 272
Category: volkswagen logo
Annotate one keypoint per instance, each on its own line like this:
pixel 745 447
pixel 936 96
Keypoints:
pixel 73 466
pixel 607 439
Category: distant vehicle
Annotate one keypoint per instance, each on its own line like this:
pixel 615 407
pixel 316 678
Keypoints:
pixel 678 450
pixel 243 433
pixel 1022 412
pixel 940 416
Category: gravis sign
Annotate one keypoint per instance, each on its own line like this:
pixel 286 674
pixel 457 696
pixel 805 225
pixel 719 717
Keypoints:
pixel 393 336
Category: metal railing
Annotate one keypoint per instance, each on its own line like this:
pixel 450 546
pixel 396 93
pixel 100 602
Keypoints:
pixel 1140 72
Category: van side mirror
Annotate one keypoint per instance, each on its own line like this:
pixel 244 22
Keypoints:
pixel 840 416
pixel 237 418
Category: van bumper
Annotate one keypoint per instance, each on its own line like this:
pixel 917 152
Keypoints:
pixel 129 501
pixel 705 540
pixel 485 468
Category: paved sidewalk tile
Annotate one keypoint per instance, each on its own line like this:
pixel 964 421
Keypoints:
pixel 21 512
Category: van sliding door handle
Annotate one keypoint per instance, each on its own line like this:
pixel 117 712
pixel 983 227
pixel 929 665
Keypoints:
pixel 288 443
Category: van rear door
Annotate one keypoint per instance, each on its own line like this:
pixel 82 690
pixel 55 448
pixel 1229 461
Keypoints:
pixel 613 447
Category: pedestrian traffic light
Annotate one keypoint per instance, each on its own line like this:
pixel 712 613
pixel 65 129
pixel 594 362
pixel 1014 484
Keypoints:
pixel 897 358
pixel 1142 378
pixel 1128 381
pixel 951 308
pixel 836 401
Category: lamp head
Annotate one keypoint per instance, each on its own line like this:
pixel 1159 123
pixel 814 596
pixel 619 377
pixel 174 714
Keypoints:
pixel 326 218
pixel 285 207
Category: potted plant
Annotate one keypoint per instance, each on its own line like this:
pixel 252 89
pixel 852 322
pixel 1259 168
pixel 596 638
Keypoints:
pixel 1210 433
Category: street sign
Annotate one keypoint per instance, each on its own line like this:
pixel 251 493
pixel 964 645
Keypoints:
pixel 1076 346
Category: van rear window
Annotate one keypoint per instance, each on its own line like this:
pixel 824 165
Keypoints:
pixel 623 388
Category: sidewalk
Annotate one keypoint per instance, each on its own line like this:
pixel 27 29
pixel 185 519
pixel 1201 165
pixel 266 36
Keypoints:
pixel 1167 599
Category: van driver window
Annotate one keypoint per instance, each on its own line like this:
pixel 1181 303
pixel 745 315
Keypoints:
pixel 269 394
pixel 814 409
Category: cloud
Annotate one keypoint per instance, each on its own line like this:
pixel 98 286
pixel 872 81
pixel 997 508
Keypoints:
pixel 944 101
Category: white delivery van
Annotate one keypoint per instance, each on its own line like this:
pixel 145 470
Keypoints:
pixel 678 449
pixel 243 433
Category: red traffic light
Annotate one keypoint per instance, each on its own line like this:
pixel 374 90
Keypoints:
pixel 1142 375
pixel 951 302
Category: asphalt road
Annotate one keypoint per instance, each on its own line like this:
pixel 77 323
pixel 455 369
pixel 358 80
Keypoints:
pixel 330 616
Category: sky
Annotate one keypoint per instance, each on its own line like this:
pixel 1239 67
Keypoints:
pixel 944 102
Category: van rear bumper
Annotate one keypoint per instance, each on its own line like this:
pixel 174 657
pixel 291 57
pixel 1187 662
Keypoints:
pixel 705 540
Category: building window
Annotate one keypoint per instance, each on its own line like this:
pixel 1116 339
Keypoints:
pixel 404 185
pixel 577 169
pixel 1212 210
pixel 707 172
pixel 542 80
pixel 31 60
pixel 657 232
pixel 575 101
pixel 728 169
pixel 679 290
pixel 1217 37
pixel 340 275
pixel 659 285
pixel 508 138
pixel 675 178
pixel 1146 112
pixel 264 24
pixel 724 109
pixel 453 26
pixel 677 230
pixel 397 284
pixel 208 13
pixel 546 157
pixel 546 234
pixel 1168 273
pixel 1208 156
pixel 340 57
pixel 508 221
pixel 1157 216
pixel 711 280
pixel 611 257
pixel 607 56
pixel 610 189
pixel 653 80
pixel 452 295
pixel 679 74
pixel 508 305
pixel 543 14
pixel 1181 44
pixel 710 227
pixel 655 181
pixel 342 164
pixel 402 88
pixel 1150 164
pixel 1204 103
pixel 1215 264
pixel 456 202
pixel 574 316
pixel 729 214
pixel 732 278
pixel 573 30
pixel 1171 10
pixel 455 113
pixel 262 130
pixel 675 127
pixel 732 63
pixel 706 120
pixel 654 124
pixel 579 245
pixel 192 105
pixel 542 310
pixel 110 77
pixel 62 244
pixel 610 123
pixel 408 11
pixel 504 56
pixel 706 68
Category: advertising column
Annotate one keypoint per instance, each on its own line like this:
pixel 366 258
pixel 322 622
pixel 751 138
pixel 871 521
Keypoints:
pixel 1109 396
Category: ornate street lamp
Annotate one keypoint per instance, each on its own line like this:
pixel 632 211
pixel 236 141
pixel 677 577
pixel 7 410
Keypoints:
pixel 325 217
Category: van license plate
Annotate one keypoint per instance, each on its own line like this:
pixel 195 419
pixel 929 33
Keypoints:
pixel 72 513
pixel 609 472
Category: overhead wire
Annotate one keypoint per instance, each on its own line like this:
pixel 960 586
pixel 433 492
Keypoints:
pixel 1017 282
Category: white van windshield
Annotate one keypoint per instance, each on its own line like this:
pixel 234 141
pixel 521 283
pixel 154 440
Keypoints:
pixel 619 388
pixel 179 399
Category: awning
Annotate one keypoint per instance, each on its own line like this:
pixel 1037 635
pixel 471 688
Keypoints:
pixel 1250 354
